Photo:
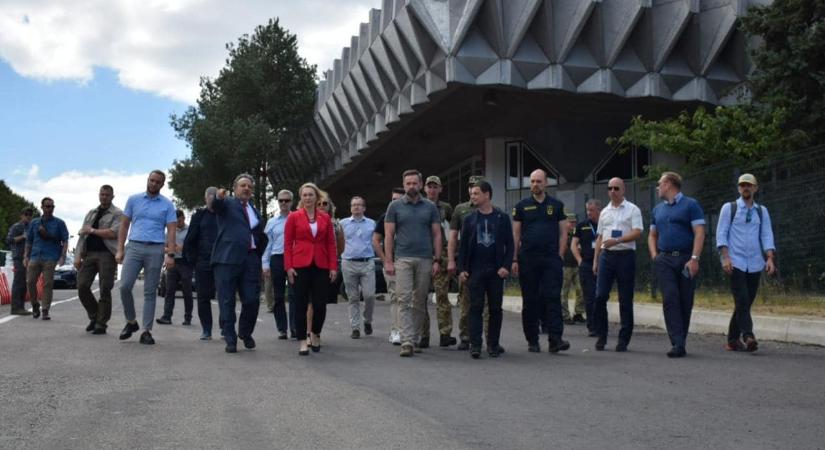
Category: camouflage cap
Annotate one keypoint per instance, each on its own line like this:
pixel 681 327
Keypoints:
pixel 475 179
pixel 433 179
pixel 570 216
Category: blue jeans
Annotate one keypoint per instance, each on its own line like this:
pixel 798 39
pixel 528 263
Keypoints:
pixel 618 265
pixel 677 295
pixel 485 283
pixel 245 279
pixel 148 257
pixel 541 279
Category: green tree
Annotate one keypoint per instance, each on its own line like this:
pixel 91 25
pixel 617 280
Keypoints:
pixel 247 117
pixel 10 206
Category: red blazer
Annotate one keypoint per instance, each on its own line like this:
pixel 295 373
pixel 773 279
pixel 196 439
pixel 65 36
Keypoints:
pixel 301 249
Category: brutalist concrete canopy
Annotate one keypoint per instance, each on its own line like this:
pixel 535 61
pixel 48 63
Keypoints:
pixel 413 52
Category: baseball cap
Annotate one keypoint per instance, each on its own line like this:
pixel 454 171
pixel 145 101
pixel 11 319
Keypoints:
pixel 570 216
pixel 433 179
pixel 475 179
pixel 747 178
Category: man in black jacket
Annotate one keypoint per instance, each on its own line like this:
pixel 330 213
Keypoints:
pixel 484 256
pixel 197 249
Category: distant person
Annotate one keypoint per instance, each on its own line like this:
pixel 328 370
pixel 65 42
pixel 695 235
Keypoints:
pixel 412 248
pixel 358 267
pixel 392 297
pixel 16 241
pixel 180 274
pixel 145 217
pixel 441 280
pixel 273 266
pixel 47 241
pixel 311 264
pixel 540 236
pixel 197 249
pixel 583 246
pixel 326 205
pixel 570 279
pixel 236 261
pixel 484 257
pixel 94 256
pixel 677 235
pixel 745 239
pixel 620 225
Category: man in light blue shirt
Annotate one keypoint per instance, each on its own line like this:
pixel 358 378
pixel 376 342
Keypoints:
pixel 272 264
pixel 145 217
pixel 745 240
pixel 357 265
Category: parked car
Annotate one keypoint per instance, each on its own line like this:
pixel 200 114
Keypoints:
pixel 65 276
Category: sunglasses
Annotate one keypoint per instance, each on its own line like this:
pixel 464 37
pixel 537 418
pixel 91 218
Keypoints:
pixel 749 216
pixel 324 203
pixel 284 200
pixel 613 188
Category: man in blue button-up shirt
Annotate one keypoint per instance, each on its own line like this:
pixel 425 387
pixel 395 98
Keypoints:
pixel 744 240
pixel 46 242
pixel 357 265
pixel 272 264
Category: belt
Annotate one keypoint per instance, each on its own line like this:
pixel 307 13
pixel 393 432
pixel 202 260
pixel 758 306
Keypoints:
pixel 145 242
pixel 676 253
pixel 358 259
pixel 618 252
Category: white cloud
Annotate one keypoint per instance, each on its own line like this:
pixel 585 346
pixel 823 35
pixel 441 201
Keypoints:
pixel 75 192
pixel 159 46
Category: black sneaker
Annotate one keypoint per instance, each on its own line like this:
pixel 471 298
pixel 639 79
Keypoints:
pixel 424 342
pixel 46 315
pixel 164 321
pixel 446 341
pixel 231 348
pixel 248 342
pixel 475 352
pixel 578 318
pixel 20 312
pixel 36 312
pixel 534 347
pixel 128 330
pixel 600 343
pixel 187 322
pixel 367 328
pixel 355 334
pixel 90 326
pixel 494 351
pixel 557 344
pixel 282 336
pixel 676 352
pixel 99 330
pixel 621 347
pixel 146 338
pixel 464 345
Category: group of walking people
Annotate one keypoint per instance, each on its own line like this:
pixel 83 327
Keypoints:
pixel 423 243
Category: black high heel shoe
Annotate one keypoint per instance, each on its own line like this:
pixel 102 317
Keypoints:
pixel 315 348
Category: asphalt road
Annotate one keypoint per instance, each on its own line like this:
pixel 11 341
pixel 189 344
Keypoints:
pixel 63 388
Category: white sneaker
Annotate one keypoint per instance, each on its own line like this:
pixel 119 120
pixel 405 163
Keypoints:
pixel 395 338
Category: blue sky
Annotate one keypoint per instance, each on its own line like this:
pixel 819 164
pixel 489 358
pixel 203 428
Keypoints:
pixel 70 125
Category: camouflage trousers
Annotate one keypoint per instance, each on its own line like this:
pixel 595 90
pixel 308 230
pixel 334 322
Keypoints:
pixel 444 309
pixel 571 281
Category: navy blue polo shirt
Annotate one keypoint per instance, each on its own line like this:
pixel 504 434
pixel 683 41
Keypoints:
pixel 539 225
pixel 586 232
pixel 674 223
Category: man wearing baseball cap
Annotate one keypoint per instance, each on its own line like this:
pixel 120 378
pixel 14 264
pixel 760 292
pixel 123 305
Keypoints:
pixel 745 241
pixel 441 280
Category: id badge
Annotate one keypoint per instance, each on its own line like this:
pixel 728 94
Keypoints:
pixel 593 245
pixel 616 234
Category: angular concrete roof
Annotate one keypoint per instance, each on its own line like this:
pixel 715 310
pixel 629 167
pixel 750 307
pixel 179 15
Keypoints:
pixel 412 50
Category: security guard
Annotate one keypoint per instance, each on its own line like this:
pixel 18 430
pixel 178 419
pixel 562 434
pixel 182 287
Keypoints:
pixel 540 236
pixel 583 247
pixel 441 280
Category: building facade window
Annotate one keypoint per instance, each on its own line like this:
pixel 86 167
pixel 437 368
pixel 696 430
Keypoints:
pixel 454 179
pixel 521 160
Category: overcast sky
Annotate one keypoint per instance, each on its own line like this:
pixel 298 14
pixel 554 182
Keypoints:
pixel 87 87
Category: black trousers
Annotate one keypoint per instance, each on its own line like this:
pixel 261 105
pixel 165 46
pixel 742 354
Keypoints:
pixel 18 286
pixel 181 273
pixel 485 283
pixel 276 271
pixel 677 295
pixel 311 285
pixel 743 286
pixel 587 280
pixel 541 279
pixel 205 287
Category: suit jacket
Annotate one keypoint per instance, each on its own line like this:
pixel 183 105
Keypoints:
pixel 203 231
pixel 301 249
pixel 232 242
pixel 504 241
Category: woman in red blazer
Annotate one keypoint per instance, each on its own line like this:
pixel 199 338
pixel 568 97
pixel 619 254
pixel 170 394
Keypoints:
pixel 311 262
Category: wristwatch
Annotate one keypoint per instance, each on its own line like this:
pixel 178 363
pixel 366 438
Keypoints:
pixel 694 257
pixel 171 255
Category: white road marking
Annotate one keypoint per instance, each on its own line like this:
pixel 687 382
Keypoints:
pixel 9 318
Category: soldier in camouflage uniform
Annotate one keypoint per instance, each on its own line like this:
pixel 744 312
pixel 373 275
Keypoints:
pixel 461 211
pixel 441 281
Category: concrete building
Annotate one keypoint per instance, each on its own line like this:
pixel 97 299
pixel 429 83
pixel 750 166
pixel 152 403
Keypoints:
pixel 501 87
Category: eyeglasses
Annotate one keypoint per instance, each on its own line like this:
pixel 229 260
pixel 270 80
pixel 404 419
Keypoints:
pixel 324 203
pixel 284 200
pixel 613 188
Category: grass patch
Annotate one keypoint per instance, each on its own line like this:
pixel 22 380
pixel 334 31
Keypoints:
pixel 768 302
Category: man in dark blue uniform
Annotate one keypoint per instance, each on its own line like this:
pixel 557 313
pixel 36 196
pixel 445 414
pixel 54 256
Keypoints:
pixel 677 234
pixel 583 247
pixel 540 236
pixel 197 248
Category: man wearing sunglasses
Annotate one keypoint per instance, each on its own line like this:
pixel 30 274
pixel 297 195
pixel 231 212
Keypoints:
pixel 272 263
pixel 620 225
pixel 16 241
pixel 745 240
pixel 47 240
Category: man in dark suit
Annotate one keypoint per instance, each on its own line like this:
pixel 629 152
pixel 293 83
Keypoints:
pixel 236 260
pixel 197 249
